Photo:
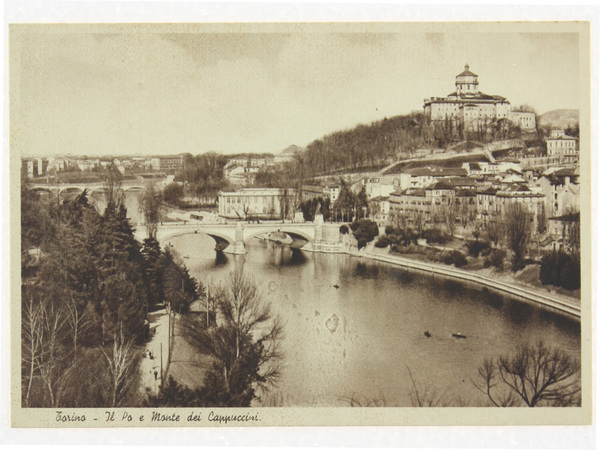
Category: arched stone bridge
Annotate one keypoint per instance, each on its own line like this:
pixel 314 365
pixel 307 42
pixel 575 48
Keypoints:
pixel 236 234
pixel 78 188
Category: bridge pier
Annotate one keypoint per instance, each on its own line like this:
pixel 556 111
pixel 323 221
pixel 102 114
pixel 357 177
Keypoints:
pixel 237 247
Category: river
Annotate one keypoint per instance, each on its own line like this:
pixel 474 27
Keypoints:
pixel 382 313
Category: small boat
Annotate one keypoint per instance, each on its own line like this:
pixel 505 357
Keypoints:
pixel 459 336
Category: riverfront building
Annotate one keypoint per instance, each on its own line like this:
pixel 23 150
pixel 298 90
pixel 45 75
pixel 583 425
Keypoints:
pixel 257 203
pixel 470 109
pixel 425 203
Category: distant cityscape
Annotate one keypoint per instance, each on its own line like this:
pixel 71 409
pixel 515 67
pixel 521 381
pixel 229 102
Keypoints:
pixel 481 179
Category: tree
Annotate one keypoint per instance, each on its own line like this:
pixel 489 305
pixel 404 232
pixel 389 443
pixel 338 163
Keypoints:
pixel 346 202
pixel 494 228
pixel 535 375
pixel 244 343
pixel 172 193
pixel 517 226
pixel 541 222
pixel 449 213
pixel 364 231
pixel 120 364
pixel 150 209
pixel 179 288
pixel 112 179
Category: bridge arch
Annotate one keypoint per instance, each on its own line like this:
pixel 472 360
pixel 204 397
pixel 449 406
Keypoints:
pixel 133 189
pixel 42 190
pixel 293 233
pixel 70 190
pixel 219 237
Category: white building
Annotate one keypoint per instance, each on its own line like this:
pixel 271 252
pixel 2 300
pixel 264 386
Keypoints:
pixel 253 203
pixel 563 146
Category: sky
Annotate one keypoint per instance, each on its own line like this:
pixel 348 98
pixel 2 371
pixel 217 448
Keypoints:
pixel 126 91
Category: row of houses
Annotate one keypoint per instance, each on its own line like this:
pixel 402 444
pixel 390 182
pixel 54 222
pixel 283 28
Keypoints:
pixel 34 167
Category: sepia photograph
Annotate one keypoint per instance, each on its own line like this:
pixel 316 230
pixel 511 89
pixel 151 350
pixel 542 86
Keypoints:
pixel 298 224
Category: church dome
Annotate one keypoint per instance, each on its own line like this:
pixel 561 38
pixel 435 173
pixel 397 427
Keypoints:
pixel 466 72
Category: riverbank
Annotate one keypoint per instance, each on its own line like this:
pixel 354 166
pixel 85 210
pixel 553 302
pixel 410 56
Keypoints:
pixel 564 305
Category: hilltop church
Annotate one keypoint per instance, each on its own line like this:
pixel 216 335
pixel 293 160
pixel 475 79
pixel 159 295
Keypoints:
pixel 470 109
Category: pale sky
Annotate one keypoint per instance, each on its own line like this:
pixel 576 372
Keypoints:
pixel 154 93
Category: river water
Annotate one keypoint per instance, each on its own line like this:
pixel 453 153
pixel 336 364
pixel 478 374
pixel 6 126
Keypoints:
pixel 361 339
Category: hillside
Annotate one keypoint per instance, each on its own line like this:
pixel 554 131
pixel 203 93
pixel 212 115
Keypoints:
pixel 560 118
pixel 365 146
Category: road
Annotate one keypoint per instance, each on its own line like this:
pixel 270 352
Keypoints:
pixel 150 367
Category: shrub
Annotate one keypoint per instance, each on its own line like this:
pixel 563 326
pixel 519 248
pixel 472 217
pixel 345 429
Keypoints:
pixel 495 258
pixel 447 257
pixel 459 259
pixel 390 230
pixel 383 242
pixel 435 236
pixel 476 247
pixel 570 275
pixel 365 231
pixel 344 229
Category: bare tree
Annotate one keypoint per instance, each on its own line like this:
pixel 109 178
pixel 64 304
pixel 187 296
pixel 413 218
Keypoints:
pixel 424 395
pixel 149 205
pixel 449 213
pixel 535 375
pixel 32 339
pixel 77 321
pixel 49 361
pixel 246 338
pixel 517 228
pixel 494 228
pixel 120 364
pixel 112 182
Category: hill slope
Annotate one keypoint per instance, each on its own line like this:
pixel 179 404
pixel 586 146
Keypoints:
pixel 560 118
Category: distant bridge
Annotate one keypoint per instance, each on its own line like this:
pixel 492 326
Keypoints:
pixel 235 235
pixel 78 188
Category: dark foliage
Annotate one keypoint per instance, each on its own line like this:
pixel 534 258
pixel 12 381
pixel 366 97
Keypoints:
pixel 435 236
pixel 458 259
pixel 309 208
pixel 495 258
pixel 476 247
pixel 85 298
pixel 364 231
pixel 560 269
pixel 172 193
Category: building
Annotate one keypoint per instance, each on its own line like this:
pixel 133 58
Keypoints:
pixel 470 109
pixel 257 203
pixel 426 203
pixel 34 167
pixel 374 187
pixel 308 192
pixel 524 120
pixel 493 203
pixel 562 194
pixel 167 163
pixel 379 209
pixel 563 146
pixel 564 232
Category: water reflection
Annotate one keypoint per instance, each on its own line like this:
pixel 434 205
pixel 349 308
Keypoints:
pixel 367 271
pixel 221 259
